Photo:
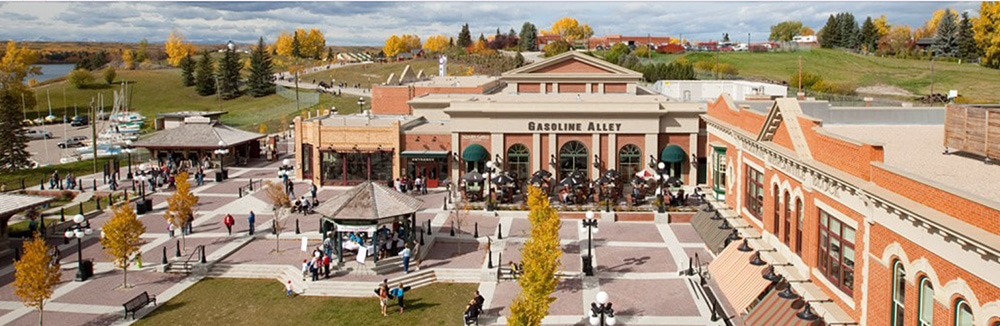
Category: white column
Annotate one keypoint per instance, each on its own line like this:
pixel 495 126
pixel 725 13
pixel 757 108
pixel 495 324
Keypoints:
pixel 552 151
pixel 692 150
pixel 457 166
pixel 651 149
pixel 612 151
pixel 595 141
pixel 536 152
pixel 600 88
pixel 497 146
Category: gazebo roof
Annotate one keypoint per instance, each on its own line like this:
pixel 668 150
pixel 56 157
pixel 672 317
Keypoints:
pixel 11 204
pixel 198 135
pixel 369 201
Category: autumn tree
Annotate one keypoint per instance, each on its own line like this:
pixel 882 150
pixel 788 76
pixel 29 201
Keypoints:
pixel 187 70
pixel 528 38
pixel 35 275
pixel 261 80
pixel 882 25
pixel 464 37
pixel 931 28
pixel 967 49
pixel 946 41
pixel 177 49
pixel 412 42
pixel 394 46
pixel 123 237
pixel 204 79
pixel 570 30
pixel 541 260
pixel 436 44
pixel 128 59
pixel 481 48
pixel 556 47
pixel 180 206
pixel 16 65
pixel 311 43
pixel 986 28
pixel 896 41
pixel 13 142
pixel 143 54
pixel 281 204
pixel 229 75
pixel 785 31
pixel 283 46
pixel 109 75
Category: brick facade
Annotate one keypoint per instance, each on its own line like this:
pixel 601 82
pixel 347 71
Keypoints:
pixel 392 99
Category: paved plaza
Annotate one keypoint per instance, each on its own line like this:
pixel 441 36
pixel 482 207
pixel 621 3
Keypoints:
pixel 638 264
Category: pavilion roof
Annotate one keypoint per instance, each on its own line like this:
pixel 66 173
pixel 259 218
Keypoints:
pixel 369 201
pixel 198 135
pixel 11 204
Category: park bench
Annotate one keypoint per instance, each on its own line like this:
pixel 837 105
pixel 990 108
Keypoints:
pixel 138 302
pixel 505 272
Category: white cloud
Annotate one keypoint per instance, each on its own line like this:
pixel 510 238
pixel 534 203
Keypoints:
pixel 370 23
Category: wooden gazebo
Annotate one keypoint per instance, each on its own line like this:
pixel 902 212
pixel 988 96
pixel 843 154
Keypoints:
pixel 365 208
pixel 11 204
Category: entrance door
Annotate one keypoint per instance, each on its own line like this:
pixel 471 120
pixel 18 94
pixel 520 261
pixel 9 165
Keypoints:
pixel 429 172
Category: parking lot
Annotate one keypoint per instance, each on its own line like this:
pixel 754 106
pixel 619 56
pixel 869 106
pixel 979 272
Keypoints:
pixel 46 151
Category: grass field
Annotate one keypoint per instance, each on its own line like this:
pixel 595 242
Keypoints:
pixel 976 83
pixel 378 73
pixel 12 181
pixel 263 302
pixel 161 91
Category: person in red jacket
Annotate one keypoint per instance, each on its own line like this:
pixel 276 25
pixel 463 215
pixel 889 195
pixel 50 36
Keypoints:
pixel 229 221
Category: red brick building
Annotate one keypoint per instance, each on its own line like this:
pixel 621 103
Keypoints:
pixel 864 219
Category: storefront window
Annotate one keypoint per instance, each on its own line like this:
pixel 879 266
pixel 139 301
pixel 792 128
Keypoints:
pixel 518 162
pixel 333 167
pixel 926 315
pixel 629 160
pixel 719 170
pixel 357 166
pixel 381 166
pixel 898 294
pixel 573 157
pixel 836 252
pixel 307 161
pixel 963 313
pixel 755 192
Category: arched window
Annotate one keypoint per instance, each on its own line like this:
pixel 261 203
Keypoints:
pixel 926 309
pixel 787 228
pixel 518 162
pixel 898 294
pixel 963 313
pixel 629 160
pixel 801 216
pixel 573 156
pixel 777 210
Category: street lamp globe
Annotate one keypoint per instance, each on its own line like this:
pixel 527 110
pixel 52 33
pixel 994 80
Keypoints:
pixel 285 162
pixel 78 233
pixel 602 297
pixel 78 218
pixel 590 215
pixel 490 165
pixel 610 320
pixel 595 320
pixel 68 234
pixel 88 231
pixel 661 165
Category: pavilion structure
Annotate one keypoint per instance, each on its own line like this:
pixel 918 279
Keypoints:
pixel 198 138
pixel 366 208
pixel 11 204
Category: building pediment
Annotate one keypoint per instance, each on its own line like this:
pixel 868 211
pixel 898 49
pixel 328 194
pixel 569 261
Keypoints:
pixel 572 64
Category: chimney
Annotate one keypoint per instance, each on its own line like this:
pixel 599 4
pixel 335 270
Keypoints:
pixel 868 101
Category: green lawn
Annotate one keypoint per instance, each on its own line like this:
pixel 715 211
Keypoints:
pixel 972 81
pixel 378 73
pixel 32 177
pixel 161 91
pixel 263 302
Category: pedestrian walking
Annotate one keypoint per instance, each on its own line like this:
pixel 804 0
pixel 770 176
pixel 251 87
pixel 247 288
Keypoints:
pixel 170 229
pixel 326 266
pixel 383 297
pixel 251 220
pixel 406 259
pixel 305 269
pixel 314 268
pixel 229 221
pixel 288 288
pixel 138 259
pixel 398 292
pixel 312 190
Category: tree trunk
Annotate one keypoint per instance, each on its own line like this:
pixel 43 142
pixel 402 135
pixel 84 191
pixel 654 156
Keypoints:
pixel 41 313
pixel 184 244
pixel 125 274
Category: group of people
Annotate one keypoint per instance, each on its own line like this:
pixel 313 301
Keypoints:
pixel 418 185
pixel 318 264
pixel 385 294
pixel 229 221
pixel 69 182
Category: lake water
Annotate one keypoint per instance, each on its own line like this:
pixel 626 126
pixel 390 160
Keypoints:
pixel 53 71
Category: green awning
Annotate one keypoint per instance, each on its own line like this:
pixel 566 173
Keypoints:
pixel 424 154
pixel 673 154
pixel 475 153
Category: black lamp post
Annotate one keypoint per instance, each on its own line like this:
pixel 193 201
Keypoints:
pixel 588 261
pixel 222 152
pixel 361 104
pixel 85 269
pixel 601 313
pixel 285 170
pixel 128 152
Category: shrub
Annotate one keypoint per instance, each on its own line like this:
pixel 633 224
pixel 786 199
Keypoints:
pixel 110 74
pixel 808 80
pixel 80 78
pixel 556 47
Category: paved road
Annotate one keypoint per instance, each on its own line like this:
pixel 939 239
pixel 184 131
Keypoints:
pixel 307 85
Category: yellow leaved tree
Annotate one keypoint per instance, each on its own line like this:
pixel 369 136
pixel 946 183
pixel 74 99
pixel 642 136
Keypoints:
pixel 882 25
pixel 311 43
pixel 436 44
pixel 986 30
pixel 481 48
pixel 36 275
pixel 281 205
pixel 541 256
pixel 177 49
pixel 123 237
pixel 394 46
pixel 570 30
pixel 930 29
pixel 283 46
pixel 180 206
pixel 128 59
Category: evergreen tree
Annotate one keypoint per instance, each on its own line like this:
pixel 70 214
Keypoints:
pixel 946 41
pixel 229 75
pixel 261 81
pixel 187 70
pixel 829 36
pixel 204 79
pixel 967 49
pixel 330 56
pixel 464 37
pixel 451 41
pixel 725 38
pixel 13 143
pixel 529 37
pixel 482 38
pixel 848 30
pixel 518 60
pixel 869 36
pixel 296 46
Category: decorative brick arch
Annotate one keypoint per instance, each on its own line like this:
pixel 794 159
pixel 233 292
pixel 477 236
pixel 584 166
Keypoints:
pixel 959 289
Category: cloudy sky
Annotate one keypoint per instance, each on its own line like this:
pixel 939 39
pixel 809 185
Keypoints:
pixel 370 23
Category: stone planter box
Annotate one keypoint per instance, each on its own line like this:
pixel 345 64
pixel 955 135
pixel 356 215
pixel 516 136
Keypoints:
pixel 635 216
pixel 680 217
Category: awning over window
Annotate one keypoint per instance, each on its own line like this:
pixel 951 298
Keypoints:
pixel 740 282
pixel 475 153
pixel 673 154
pixel 424 154
pixel 708 229
pixel 775 310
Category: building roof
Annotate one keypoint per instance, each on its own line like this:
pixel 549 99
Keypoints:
pixel 541 98
pixel 198 135
pixel 363 120
pixel 12 204
pixel 369 201
pixel 917 151
pixel 185 114
pixel 454 81
pixel 611 69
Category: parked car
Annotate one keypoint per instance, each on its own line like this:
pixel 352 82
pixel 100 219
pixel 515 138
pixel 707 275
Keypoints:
pixel 38 134
pixel 80 121
pixel 75 141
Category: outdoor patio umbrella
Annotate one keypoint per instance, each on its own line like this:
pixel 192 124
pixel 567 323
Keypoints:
pixel 473 176
pixel 537 181
pixel 543 174
pixel 570 182
pixel 674 182
pixel 612 174
pixel 603 180
pixel 503 179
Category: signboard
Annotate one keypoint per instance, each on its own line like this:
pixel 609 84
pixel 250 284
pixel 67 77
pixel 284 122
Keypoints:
pixel 356 228
pixel 575 126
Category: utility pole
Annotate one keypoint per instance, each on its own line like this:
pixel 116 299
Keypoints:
pixel 93 131
pixel 748 42
pixel 800 74
pixel 932 77
pixel 24 109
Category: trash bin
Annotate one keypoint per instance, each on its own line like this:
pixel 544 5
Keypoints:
pixel 85 271
pixel 149 204
pixel 588 268
pixel 218 176
pixel 140 208
pixel 225 174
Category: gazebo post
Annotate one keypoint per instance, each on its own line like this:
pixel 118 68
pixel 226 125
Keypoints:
pixel 375 244
pixel 340 246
